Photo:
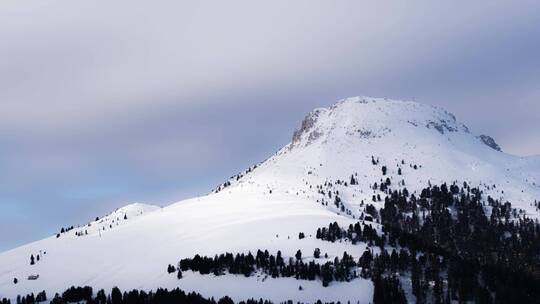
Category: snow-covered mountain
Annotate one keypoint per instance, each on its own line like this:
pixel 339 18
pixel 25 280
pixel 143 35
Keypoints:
pixel 267 205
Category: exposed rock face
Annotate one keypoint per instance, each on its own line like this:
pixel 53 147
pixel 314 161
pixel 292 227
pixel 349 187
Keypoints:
pixel 307 126
pixel 490 142
pixel 441 126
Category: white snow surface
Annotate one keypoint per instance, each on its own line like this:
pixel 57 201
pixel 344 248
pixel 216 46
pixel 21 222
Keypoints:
pixel 267 206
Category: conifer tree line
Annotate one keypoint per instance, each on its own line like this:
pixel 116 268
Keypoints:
pixel 386 288
pixel 451 247
pixel 275 266
pixel 236 177
pixel 116 296
pixel 64 230
pixel 355 234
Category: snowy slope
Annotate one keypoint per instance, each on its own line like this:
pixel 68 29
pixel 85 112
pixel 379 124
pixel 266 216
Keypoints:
pixel 266 206
pixel 135 255
pixel 334 143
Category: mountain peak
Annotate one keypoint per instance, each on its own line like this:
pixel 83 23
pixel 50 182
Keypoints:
pixel 363 117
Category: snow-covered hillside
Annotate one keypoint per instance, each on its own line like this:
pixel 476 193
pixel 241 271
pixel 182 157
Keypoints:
pixel 337 142
pixel 266 206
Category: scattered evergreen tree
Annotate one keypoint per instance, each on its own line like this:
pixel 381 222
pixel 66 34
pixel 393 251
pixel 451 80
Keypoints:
pixel 41 297
pixel 116 296
pixel 317 253
pixel 225 300
pixel 101 298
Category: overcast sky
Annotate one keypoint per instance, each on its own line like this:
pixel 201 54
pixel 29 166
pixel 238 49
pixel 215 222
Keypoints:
pixel 104 103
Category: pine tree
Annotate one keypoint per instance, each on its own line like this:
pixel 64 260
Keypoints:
pixel 41 297
pixel 438 290
pixel 101 298
pixel 116 296
pixel 415 280
pixel 326 274
pixel 317 253
pixel 298 255
pixel 225 300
